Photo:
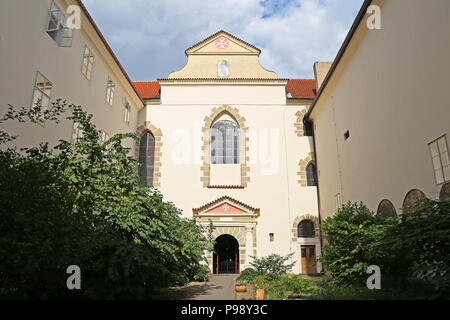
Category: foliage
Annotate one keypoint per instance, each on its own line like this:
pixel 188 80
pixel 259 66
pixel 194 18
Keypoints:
pixel 82 204
pixel 286 287
pixel 412 250
pixel 248 275
pixel 355 239
pixel 425 236
pixel 397 290
pixel 272 266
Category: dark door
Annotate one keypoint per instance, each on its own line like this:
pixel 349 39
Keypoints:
pixel 226 255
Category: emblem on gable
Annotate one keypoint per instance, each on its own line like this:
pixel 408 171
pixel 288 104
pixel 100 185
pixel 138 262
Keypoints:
pixel 222 43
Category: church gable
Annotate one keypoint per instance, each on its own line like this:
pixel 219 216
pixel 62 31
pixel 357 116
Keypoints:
pixel 222 43
pixel 223 56
pixel 226 206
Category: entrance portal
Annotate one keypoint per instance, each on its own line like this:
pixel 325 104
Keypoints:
pixel 226 255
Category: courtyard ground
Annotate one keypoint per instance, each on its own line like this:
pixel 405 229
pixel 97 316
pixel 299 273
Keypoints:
pixel 219 287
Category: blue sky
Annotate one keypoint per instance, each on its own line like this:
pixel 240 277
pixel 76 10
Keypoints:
pixel 150 36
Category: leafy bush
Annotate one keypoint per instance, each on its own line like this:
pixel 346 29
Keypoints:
pixel 355 239
pixel 425 236
pixel 272 266
pixel 412 250
pixel 82 204
pixel 397 290
pixel 286 287
pixel 248 275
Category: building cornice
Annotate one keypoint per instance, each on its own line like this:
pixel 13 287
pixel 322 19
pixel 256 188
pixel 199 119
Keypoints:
pixel 224 81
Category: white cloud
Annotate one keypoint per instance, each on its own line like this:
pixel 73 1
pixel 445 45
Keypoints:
pixel 150 36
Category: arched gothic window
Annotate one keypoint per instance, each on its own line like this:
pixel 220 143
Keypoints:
pixel 444 195
pixel 305 229
pixel 147 158
pixel 311 175
pixel 413 201
pixel 225 143
pixel 223 68
pixel 386 209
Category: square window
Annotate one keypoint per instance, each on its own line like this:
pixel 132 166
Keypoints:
pixel 88 62
pixel 56 29
pixel 110 88
pixel 440 159
pixel 42 91
pixel 346 135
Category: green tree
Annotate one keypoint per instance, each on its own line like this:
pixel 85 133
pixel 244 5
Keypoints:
pixel 354 239
pixel 82 204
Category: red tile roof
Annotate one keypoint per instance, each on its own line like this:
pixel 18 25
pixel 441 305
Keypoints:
pixel 147 89
pixel 302 88
pixel 298 88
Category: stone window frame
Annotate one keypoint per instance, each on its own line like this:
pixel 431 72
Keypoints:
pixel 216 113
pixel 157 133
pixel 297 220
pixel 299 125
pixel 302 172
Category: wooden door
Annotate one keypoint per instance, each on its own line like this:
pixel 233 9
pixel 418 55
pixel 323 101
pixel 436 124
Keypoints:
pixel 309 264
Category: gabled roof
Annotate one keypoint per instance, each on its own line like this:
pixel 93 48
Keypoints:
pixel 217 34
pixel 301 88
pixel 148 89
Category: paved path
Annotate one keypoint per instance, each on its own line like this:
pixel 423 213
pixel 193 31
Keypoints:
pixel 219 287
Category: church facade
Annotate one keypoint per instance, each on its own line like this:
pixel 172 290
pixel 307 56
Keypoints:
pixel 224 140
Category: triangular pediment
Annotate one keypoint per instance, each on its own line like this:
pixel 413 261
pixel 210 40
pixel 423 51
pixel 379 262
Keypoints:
pixel 226 206
pixel 222 43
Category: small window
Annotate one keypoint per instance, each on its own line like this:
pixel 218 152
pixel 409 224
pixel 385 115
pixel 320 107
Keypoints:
pixel 56 29
pixel 386 209
pixel 147 158
pixel 346 135
pixel 271 237
pixel 440 159
pixel 88 62
pixel 308 128
pixel 127 113
pixel 42 91
pixel 311 176
pixel 337 199
pixel 305 229
pixel 413 201
pixel 77 132
pixel 110 87
pixel 223 69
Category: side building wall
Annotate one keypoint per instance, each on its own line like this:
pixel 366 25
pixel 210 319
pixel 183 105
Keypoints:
pixel 390 94
pixel 26 48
